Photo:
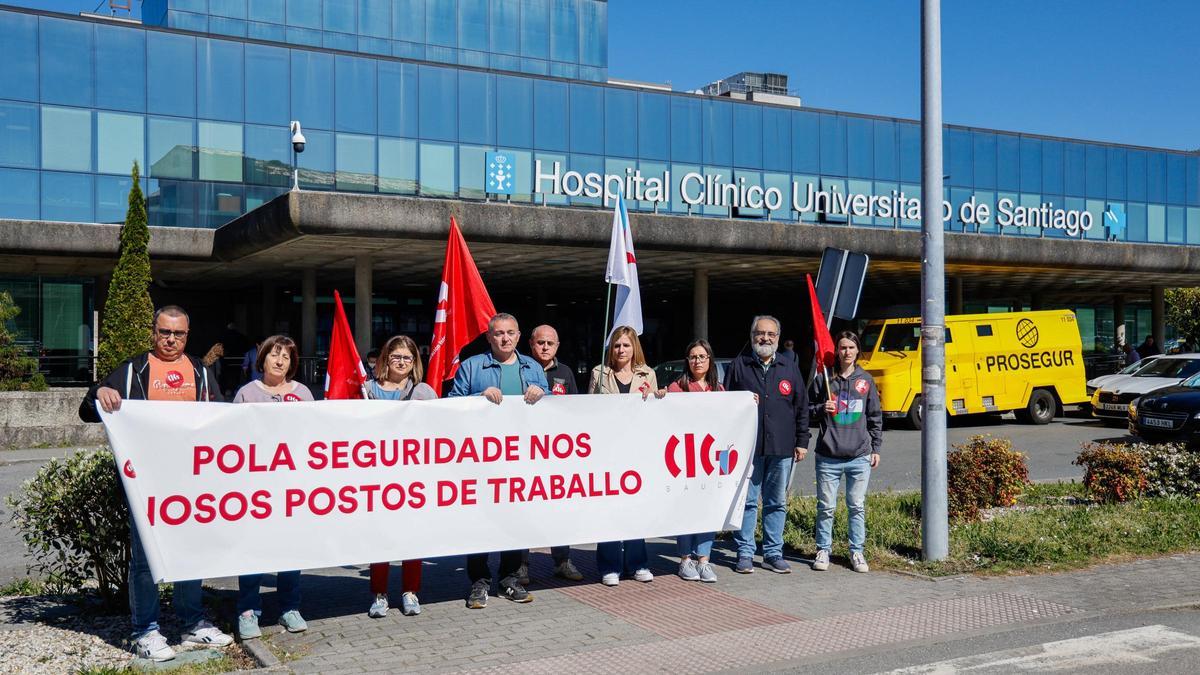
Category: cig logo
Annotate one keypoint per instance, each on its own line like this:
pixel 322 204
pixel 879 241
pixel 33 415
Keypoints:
pixel 726 460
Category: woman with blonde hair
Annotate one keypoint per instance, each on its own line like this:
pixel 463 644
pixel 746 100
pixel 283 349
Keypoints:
pixel 624 372
pixel 398 373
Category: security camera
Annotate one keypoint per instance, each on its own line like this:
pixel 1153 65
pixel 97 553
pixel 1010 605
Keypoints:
pixel 297 137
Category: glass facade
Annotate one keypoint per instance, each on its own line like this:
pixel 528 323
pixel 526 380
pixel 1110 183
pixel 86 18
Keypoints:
pixel 207 117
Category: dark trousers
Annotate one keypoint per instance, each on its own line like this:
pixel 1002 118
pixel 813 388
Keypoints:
pixel 477 565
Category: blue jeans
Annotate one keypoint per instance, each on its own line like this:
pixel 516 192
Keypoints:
pixel 621 557
pixel 698 544
pixel 287 586
pixel 829 474
pixel 143 593
pixel 770 481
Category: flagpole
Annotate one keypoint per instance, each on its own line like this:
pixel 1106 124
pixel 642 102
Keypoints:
pixel 604 338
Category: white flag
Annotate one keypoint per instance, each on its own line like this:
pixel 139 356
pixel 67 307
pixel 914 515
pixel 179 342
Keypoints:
pixel 622 271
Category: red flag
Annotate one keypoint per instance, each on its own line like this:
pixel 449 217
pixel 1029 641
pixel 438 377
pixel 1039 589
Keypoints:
pixel 824 353
pixel 345 376
pixel 463 310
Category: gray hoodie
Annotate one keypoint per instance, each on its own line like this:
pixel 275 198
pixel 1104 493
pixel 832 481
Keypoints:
pixel 857 428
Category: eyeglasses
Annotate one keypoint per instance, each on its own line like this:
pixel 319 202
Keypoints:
pixel 765 333
pixel 698 358
pixel 163 333
pixel 400 359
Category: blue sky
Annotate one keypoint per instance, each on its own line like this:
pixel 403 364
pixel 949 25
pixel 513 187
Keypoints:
pixel 1106 70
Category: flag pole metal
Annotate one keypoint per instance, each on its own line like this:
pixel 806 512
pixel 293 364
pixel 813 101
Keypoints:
pixel 604 338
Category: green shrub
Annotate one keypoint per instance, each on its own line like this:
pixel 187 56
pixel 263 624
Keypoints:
pixel 1113 472
pixel 74 521
pixel 18 370
pixel 983 473
pixel 126 327
pixel 1172 470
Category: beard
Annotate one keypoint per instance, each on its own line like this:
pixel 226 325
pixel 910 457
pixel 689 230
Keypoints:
pixel 764 351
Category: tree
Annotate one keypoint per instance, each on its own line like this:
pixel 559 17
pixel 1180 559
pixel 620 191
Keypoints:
pixel 125 328
pixel 1183 312
pixel 18 370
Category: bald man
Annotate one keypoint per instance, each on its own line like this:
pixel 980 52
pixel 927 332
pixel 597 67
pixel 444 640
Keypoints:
pixel 543 345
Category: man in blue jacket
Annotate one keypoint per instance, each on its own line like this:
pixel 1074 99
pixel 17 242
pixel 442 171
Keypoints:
pixel 783 436
pixel 495 374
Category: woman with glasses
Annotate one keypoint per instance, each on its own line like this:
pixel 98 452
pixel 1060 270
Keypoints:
pixel 398 374
pixel 277 360
pixel 625 372
pixel 699 376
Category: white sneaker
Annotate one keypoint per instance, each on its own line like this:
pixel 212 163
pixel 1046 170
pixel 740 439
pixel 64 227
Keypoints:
pixel 153 647
pixel 379 608
pixel 611 579
pixel 204 634
pixel 859 562
pixel 688 571
pixel 821 561
pixel 409 605
pixel 643 575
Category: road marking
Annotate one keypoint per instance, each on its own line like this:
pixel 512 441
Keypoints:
pixel 1123 647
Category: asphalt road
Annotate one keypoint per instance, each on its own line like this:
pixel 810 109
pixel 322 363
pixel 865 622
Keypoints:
pixel 1049 448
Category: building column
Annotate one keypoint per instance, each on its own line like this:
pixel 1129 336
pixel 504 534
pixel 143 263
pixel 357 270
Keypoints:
pixel 1118 321
pixel 308 313
pixel 267 325
pixel 700 305
pixel 1157 315
pixel 362 304
pixel 956 295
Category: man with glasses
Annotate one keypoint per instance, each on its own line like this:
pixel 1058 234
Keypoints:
pixel 778 388
pixel 165 373
pixel 494 374
pixel 543 344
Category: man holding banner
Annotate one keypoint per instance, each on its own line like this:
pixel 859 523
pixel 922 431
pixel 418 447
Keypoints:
pixel 164 374
pixel 495 374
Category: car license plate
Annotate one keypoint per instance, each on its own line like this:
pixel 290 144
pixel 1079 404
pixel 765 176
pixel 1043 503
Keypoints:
pixel 1115 407
pixel 1156 422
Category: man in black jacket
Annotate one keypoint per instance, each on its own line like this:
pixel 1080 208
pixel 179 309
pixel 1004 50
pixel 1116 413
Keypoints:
pixel 783 436
pixel 164 374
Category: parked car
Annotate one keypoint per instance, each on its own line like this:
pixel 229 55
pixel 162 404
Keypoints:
pixel 1110 403
pixel 1112 379
pixel 669 371
pixel 1168 414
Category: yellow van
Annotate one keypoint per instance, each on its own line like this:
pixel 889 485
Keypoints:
pixel 1027 362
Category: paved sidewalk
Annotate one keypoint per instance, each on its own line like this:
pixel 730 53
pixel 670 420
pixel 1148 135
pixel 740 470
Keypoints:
pixel 759 621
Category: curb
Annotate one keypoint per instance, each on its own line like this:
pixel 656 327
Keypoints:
pixel 261 654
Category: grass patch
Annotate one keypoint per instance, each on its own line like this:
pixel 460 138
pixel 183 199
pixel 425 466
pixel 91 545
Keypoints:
pixel 1050 529
pixel 22 587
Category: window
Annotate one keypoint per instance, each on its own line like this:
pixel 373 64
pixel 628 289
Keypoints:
pixel 66 139
pixel 355 163
pixel 19 76
pixel 19 135
pixel 441 23
pixel 219 79
pixel 506 27
pixel 535 29
pixel 67 197
pixel 1031 165
pixel 473 25
pixel 1008 162
pixel 341 15
pixel 961 156
pixel 1156 223
pixel 19 194
pixel 112 198
pixel 860 145
pixel 398 111
pixel 1136 186
pixel 1116 173
pixel 116 89
pixel 304 13
pixel 910 152
pixel 984 163
pixel 120 141
pixel 983 330
pixel 686 129
pixel 171 74
pixel 833 145
pixel 268 156
pixel 235 9
pixel 316 167
pixel 1176 178
pixel 312 89
pixel 1074 169
pixel 438 103
pixel 271 11
pixel 551 131
pixel 476 110
pixel 267 85
pixel 593 37
pixel 1135 222
pixel 266 31
pixel 900 337
pixel 514 111
pixel 66 61
pixel 718 133
pixel 654 126
pixel 620 122
pixel 747 136
pixel 220 151
pixel 172 148
pixel 1193 181
pixel 564 31
pixel 355 99
pixel 1096 179
pixel 398 166
pixel 374 18
pixel 587 119
pixel 438 170
pixel 1156 177
pixel 887 165
pixel 1052 167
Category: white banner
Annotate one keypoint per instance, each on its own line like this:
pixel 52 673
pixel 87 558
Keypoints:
pixel 221 489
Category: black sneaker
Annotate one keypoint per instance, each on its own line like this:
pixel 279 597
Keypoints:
pixel 512 588
pixel 478 597
pixel 522 574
